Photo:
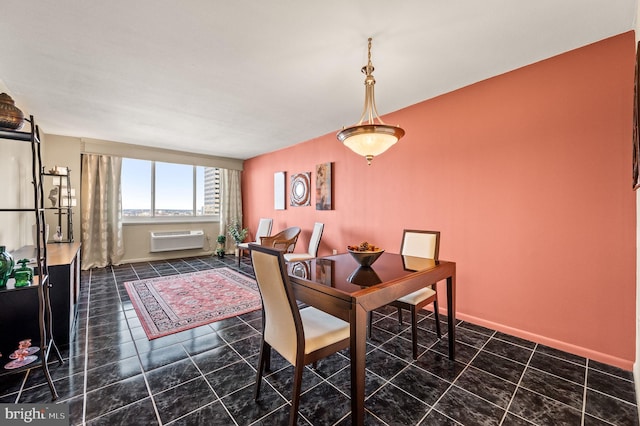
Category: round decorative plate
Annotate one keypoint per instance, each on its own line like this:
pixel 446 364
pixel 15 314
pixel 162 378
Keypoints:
pixel 300 195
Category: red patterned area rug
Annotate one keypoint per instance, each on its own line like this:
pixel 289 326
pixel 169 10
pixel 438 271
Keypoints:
pixel 167 305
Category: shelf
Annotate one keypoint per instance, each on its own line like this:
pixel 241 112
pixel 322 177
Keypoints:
pixel 11 284
pixel 19 210
pixel 63 199
pixel 35 364
pixel 16 135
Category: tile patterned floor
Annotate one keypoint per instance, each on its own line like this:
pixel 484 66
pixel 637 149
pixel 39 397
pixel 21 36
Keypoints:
pixel 113 375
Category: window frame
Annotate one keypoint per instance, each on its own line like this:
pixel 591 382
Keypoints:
pixel 194 218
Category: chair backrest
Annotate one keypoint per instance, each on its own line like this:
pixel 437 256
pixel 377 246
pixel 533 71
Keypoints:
pixel 289 233
pixel 282 326
pixel 420 243
pixel 285 239
pixel 264 228
pixel 314 241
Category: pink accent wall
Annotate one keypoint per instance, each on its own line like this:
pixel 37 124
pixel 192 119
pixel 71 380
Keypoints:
pixel 528 177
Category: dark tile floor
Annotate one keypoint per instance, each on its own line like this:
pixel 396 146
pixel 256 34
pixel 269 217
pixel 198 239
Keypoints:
pixel 113 375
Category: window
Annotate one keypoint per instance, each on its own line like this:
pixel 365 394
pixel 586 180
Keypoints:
pixel 136 187
pixel 153 189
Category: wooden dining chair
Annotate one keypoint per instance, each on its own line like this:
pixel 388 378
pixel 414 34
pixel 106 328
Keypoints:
pixel 314 244
pixel 423 244
pixel 301 336
pixel 285 239
pixel 264 230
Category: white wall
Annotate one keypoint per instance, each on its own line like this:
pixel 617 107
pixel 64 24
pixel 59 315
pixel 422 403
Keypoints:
pixel 137 241
pixel 66 151
pixel 16 190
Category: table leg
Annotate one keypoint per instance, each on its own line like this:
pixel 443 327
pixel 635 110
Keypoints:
pixel 358 348
pixel 451 315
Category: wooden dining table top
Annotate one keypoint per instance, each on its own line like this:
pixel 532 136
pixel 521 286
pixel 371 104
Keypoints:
pixel 342 277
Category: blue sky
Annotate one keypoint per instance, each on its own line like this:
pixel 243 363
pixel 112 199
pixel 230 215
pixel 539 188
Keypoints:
pixel 174 185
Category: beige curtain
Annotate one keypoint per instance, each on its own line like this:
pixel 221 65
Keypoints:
pixel 101 211
pixel 230 202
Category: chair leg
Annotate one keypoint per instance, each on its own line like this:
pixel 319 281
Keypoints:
pixel 295 396
pixel 399 315
pixel 414 331
pixel 239 257
pixel 267 361
pixel 437 316
pixel 261 361
pixel 370 321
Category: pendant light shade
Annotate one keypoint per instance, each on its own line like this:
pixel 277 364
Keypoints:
pixel 372 137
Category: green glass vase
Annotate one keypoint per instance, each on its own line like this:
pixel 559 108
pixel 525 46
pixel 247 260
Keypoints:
pixel 6 266
pixel 23 274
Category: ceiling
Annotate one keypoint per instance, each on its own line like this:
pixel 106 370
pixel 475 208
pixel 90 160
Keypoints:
pixel 241 78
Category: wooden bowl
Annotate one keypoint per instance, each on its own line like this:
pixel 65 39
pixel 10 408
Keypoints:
pixel 365 258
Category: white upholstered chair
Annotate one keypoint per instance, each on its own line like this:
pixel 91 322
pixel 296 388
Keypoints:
pixel 314 243
pixel 420 244
pixel 264 230
pixel 301 336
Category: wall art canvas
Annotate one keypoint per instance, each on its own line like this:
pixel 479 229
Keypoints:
pixel 323 187
pixel 300 195
pixel 279 188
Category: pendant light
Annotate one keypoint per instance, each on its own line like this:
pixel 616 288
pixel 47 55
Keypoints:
pixel 372 137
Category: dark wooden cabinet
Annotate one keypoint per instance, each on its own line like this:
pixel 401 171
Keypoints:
pixel 64 275
pixel 18 319
pixel 19 307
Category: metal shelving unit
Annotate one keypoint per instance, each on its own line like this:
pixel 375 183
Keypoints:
pixel 41 282
pixel 60 209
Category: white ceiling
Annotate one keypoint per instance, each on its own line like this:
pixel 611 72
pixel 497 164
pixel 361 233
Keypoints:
pixel 240 78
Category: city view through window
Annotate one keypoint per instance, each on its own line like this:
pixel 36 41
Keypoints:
pixel 156 189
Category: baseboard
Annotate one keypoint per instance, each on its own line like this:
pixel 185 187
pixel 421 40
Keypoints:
pixel 608 359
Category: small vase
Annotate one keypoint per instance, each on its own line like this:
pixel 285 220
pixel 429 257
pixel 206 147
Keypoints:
pixel 10 115
pixel 6 266
pixel 57 237
pixel 23 274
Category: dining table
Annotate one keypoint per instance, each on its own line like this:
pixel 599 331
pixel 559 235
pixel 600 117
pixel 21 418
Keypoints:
pixel 340 286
